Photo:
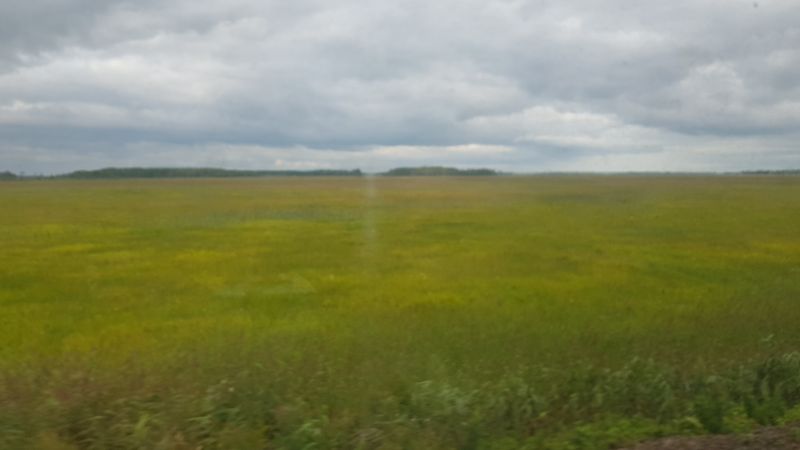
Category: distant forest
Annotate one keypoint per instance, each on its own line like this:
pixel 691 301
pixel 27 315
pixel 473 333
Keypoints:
pixel 439 171
pixel 210 172
pixel 772 172
pixel 202 172
pixel 140 172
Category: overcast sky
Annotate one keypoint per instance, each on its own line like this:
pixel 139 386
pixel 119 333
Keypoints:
pixel 585 85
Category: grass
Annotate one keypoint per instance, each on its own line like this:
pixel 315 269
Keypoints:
pixel 547 312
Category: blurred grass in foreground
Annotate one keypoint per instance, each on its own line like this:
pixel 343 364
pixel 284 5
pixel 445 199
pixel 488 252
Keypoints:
pixel 552 312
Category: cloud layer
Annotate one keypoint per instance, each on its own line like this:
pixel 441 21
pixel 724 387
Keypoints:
pixel 515 85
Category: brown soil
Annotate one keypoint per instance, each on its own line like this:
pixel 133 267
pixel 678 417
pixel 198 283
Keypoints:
pixel 777 438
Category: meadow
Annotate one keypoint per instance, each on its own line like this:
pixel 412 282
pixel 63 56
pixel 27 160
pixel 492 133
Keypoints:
pixel 556 312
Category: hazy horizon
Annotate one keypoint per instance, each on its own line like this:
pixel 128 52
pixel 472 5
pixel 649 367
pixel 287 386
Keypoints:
pixel 34 175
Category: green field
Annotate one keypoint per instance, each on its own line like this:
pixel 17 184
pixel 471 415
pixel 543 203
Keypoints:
pixel 397 313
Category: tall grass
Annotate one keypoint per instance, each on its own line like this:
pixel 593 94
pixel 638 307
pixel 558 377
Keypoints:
pixel 549 312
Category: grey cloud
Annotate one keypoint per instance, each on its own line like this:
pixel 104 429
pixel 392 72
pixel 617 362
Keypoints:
pixel 567 84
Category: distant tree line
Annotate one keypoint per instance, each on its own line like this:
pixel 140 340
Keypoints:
pixel 439 171
pixel 211 172
pixel 772 172
pixel 201 172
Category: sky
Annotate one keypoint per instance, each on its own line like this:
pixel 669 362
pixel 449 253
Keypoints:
pixel 522 86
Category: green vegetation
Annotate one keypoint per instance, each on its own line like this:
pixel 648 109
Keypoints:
pixel 198 172
pixel 439 171
pixel 773 172
pixel 7 176
pixel 557 312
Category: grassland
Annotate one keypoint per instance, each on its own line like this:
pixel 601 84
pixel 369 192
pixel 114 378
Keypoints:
pixel 506 312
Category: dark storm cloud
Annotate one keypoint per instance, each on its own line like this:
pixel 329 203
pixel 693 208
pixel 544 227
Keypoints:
pixel 536 85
